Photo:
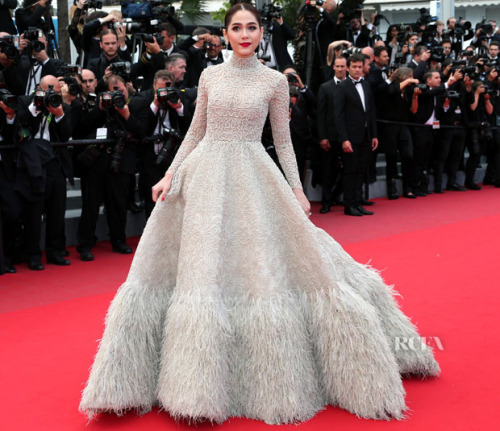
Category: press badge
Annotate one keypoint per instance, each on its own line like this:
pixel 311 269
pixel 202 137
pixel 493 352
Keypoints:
pixel 102 133
pixel 435 124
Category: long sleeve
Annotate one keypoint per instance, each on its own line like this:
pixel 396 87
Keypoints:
pixel 197 129
pixel 278 114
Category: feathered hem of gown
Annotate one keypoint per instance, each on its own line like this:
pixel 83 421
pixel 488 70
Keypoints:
pixel 251 310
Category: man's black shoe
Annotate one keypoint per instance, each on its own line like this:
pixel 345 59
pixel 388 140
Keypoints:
pixel 121 247
pixel 352 211
pixel 439 191
pixel 65 253
pixel 35 265
pixel 10 269
pixel 409 195
pixel 364 211
pixel 420 193
pixel 472 186
pixel 456 187
pixel 58 260
pixel 367 203
pixel 324 209
pixel 86 256
pixel 392 197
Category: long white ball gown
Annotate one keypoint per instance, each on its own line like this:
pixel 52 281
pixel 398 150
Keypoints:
pixel 236 304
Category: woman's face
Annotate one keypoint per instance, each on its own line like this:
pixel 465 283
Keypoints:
pixel 243 33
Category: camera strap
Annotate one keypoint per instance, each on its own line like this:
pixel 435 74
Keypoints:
pixel 160 120
pixel 34 77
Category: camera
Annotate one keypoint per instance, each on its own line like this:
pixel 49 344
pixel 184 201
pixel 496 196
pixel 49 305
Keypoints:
pixel 459 62
pixel 150 38
pixel 168 94
pixel 437 53
pixel 33 34
pixel 91 101
pixel 121 68
pixel 467 53
pixel 43 99
pixel 269 12
pixel 171 138
pixel 350 51
pixel 453 95
pixel 8 98
pixel 74 87
pixel 93 4
pixel 113 98
pixel 292 77
pixel 7 47
pixel 207 45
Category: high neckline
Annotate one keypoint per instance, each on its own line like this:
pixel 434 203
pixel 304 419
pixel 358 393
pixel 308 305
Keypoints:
pixel 244 63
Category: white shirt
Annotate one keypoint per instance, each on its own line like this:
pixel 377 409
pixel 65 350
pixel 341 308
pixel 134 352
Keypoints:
pixel 359 89
pixel 166 122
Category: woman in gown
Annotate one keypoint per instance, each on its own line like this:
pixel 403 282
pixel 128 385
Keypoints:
pixel 235 303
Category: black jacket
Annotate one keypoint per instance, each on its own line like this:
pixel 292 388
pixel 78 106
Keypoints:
pixel 327 97
pixel 6 23
pixel 354 124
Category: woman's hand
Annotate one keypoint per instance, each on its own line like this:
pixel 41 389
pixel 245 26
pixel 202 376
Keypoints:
pixel 301 197
pixel 161 188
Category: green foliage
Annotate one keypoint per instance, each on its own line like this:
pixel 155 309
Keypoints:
pixel 193 9
pixel 221 13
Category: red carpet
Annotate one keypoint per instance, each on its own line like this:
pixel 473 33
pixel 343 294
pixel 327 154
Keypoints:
pixel 441 252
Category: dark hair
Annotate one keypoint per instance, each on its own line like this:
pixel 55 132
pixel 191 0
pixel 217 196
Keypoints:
pixel 173 58
pixel 241 6
pixel 169 28
pixel 429 75
pixel 356 58
pixel 106 32
pixel 200 30
pixel 165 75
pixel 378 50
pixel 419 49
pixel 495 43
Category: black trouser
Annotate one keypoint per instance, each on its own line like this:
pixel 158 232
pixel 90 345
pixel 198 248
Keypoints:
pixel 475 146
pixel 20 215
pixel 423 142
pixel 150 173
pixel 100 184
pixel 495 155
pixel 398 138
pixel 355 168
pixel 331 182
pixel 55 209
pixel 450 149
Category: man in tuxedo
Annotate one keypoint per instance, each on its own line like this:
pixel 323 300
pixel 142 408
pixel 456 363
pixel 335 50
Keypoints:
pixel 213 54
pixel 275 45
pixel 357 133
pixel 156 155
pixel 45 171
pixel 419 62
pixel 327 134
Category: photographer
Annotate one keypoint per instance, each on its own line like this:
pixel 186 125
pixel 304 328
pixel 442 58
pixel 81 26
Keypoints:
pixel 484 36
pixel 107 170
pixel 46 119
pixel 195 48
pixel 77 15
pixel 33 65
pixel 451 111
pixel 213 55
pixel 457 33
pixel 424 112
pixel 110 54
pixel 6 23
pixel 303 113
pixel 166 113
pixel 154 56
pixel 33 13
pixel 11 202
pixel 480 134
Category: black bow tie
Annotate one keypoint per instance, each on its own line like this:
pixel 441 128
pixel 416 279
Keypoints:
pixel 356 82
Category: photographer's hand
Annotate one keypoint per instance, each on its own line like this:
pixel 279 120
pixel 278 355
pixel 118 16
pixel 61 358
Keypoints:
pixel 153 47
pixel 57 111
pixel 9 112
pixel 80 4
pixel 107 74
pixel 176 105
pixel 325 144
pixel 124 112
pixel 22 44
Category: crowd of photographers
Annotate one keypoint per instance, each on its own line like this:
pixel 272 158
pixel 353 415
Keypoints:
pixel 431 99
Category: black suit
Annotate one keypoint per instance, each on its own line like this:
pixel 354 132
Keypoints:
pixel 194 61
pixel 280 34
pixel 16 77
pixel 363 38
pixel 356 124
pixel 98 66
pixel 327 129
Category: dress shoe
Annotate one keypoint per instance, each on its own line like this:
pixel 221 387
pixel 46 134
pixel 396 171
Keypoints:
pixel 324 209
pixel 136 207
pixel 364 211
pixel 420 193
pixel 35 265
pixel 439 191
pixel 472 186
pixel 58 260
pixel 86 256
pixel 367 203
pixel 9 269
pixel 121 247
pixel 409 195
pixel 392 190
pixel 456 187
pixel 352 211
pixel 65 253
pixel 392 197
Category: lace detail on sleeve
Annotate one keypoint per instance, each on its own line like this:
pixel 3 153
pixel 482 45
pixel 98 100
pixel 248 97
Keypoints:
pixel 278 114
pixel 196 130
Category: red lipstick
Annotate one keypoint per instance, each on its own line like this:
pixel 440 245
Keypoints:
pixel 245 44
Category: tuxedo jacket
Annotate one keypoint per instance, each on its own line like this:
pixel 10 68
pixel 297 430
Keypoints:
pixel 25 19
pixel 16 78
pixel 427 104
pixel 194 61
pixel 353 123
pixel 280 35
pixel 327 97
pixel 363 39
